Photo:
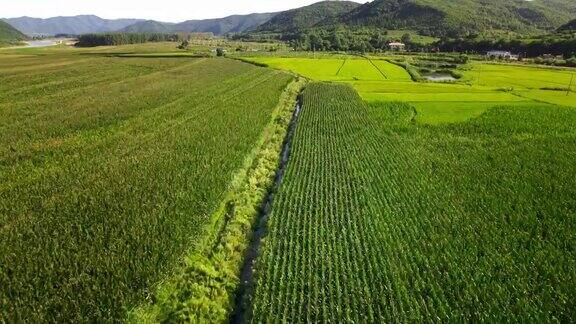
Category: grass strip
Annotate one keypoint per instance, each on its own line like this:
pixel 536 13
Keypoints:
pixel 414 74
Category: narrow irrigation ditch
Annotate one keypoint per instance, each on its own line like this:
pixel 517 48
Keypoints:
pixel 243 299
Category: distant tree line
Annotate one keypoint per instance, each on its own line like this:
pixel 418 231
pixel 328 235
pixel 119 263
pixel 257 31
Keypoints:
pixel 551 44
pixel 338 39
pixel 362 40
pixel 375 40
pixel 108 39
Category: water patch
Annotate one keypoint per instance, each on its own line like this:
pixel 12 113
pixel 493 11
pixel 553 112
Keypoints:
pixel 439 77
pixel 43 43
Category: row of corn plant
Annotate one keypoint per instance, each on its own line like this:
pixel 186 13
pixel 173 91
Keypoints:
pixel 383 220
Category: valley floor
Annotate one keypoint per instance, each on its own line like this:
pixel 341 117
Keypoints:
pixel 131 178
pixel 483 84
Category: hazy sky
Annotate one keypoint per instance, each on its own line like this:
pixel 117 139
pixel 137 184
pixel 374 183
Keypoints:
pixel 164 10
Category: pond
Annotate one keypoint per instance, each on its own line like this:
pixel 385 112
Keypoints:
pixel 43 43
pixel 439 77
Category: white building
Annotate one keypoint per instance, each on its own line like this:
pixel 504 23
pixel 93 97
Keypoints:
pixel 502 55
pixel 397 46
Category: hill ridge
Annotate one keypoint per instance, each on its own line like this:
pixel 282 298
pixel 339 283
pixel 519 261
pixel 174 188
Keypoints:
pixel 461 17
pixel 308 16
pixel 9 34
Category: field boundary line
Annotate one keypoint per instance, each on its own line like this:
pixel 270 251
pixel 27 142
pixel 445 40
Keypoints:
pixel 245 292
pixel 341 67
pixel 376 67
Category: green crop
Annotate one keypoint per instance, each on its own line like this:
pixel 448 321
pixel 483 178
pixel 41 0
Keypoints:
pixel 338 69
pixel 481 87
pixel 204 287
pixel 110 170
pixel 380 219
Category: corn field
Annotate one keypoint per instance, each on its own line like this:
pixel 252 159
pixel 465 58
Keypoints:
pixel 109 171
pixel 379 219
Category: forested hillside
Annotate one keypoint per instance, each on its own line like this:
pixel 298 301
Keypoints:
pixel 571 26
pixel 218 26
pixel 148 26
pixel 462 17
pixel 308 16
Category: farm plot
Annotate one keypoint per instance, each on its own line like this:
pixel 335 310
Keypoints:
pixel 110 169
pixel 350 69
pixel 315 69
pixel 533 83
pixel 517 76
pixel 482 87
pixel 382 220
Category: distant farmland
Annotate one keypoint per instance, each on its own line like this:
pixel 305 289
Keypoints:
pixel 482 85
pixel 110 169
pixel 380 219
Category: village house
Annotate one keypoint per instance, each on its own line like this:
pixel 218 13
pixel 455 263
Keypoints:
pixel 397 46
pixel 502 55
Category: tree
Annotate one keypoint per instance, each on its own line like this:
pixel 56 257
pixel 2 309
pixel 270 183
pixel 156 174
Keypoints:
pixel 462 59
pixel 340 42
pixel 379 40
pixel 407 38
pixel 184 45
pixel 316 41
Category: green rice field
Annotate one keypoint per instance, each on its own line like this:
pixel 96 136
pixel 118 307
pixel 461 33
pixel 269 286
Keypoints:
pixel 341 69
pixel 483 85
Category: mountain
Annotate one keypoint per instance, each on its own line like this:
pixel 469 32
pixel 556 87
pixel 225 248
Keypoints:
pixel 571 26
pixel 9 35
pixel 428 17
pixel 218 26
pixel 461 17
pixel 75 25
pixel 309 16
pixel 148 26
pixel 78 25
